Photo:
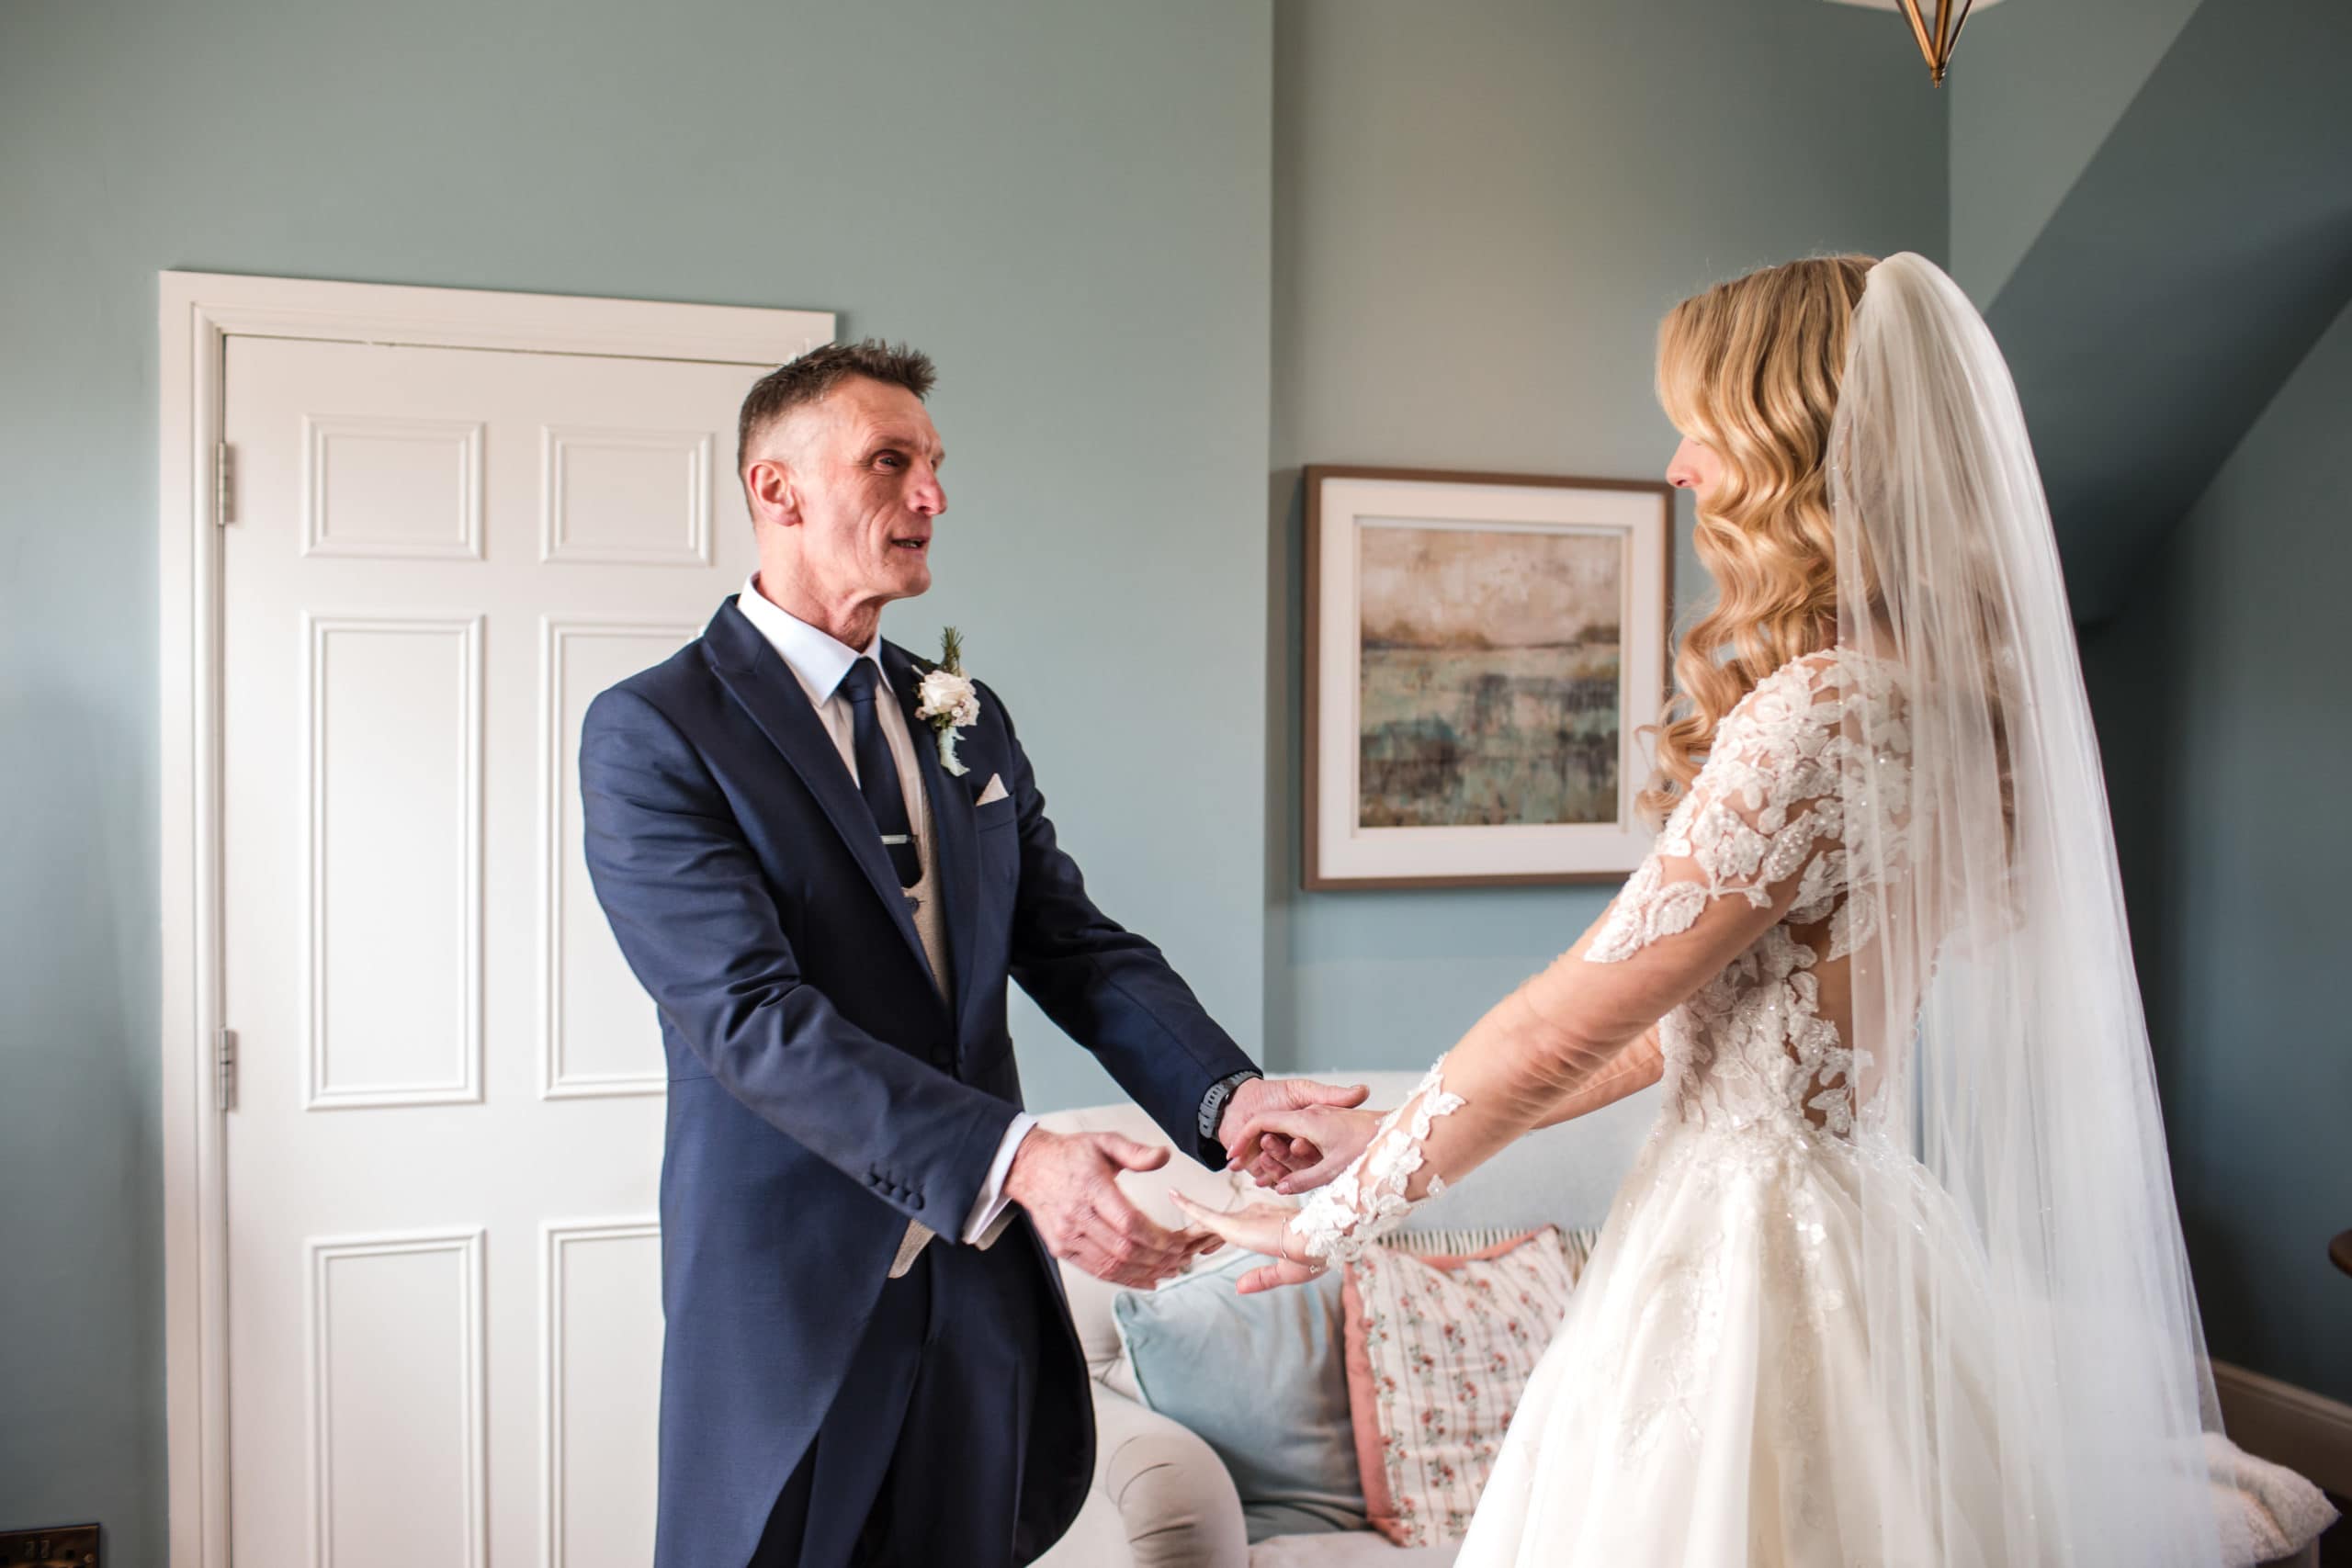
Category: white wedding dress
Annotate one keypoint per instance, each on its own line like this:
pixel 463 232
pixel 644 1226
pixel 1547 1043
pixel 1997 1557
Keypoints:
pixel 1709 1399
pixel 1897 1280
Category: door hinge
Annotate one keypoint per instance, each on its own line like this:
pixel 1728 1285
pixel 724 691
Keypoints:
pixel 224 484
pixel 224 1069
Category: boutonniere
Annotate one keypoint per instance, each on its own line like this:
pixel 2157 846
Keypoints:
pixel 949 700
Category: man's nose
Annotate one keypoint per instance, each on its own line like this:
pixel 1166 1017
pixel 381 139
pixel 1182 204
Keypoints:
pixel 929 498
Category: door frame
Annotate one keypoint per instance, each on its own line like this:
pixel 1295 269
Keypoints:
pixel 199 313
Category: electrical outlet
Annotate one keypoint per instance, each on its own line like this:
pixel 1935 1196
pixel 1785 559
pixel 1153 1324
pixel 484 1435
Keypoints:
pixel 68 1546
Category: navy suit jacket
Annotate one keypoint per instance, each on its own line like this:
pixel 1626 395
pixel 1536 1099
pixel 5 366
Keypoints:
pixel 821 1092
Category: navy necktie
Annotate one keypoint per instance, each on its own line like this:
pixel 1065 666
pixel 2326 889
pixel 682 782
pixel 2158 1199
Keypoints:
pixel 877 773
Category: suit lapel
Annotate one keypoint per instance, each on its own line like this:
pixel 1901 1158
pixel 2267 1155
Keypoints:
pixel 954 845
pixel 765 684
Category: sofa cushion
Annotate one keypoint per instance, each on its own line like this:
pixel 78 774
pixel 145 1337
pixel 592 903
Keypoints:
pixel 1262 1379
pixel 1353 1549
pixel 1439 1351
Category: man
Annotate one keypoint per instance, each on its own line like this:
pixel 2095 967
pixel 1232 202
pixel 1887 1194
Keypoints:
pixel 854 1371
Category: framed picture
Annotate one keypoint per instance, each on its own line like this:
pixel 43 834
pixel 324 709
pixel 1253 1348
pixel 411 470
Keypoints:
pixel 1481 649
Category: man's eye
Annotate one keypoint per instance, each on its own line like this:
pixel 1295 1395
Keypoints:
pixel 891 460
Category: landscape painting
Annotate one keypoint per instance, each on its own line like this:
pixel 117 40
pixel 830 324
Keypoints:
pixel 1490 676
pixel 1483 651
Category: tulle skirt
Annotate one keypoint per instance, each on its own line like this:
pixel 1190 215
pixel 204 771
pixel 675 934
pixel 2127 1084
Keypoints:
pixel 1710 1399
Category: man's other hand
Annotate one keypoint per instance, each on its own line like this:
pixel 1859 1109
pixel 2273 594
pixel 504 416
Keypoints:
pixel 1069 1185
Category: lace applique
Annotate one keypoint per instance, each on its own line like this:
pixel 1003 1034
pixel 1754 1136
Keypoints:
pixel 1367 1199
pixel 1766 807
pixel 1751 1047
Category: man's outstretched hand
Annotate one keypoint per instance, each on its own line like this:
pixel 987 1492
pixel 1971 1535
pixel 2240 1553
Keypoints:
pixel 1069 1185
pixel 1272 1156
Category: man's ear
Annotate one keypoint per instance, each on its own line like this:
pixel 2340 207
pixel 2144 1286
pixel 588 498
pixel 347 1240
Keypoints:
pixel 775 498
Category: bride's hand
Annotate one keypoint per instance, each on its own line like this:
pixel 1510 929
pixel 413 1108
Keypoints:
pixel 1261 1228
pixel 1332 1136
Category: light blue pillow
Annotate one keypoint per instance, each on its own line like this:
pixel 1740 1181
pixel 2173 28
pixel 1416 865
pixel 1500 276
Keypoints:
pixel 1263 1379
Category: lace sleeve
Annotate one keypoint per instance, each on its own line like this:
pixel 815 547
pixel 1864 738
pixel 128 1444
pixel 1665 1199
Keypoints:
pixel 1758 840
pixel 1765 809
pixel 1364 1202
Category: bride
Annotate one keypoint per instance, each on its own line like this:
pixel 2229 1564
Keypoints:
pixel 1897 1278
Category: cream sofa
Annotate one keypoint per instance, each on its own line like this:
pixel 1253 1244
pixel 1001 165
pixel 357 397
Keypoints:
pixel 1161 1499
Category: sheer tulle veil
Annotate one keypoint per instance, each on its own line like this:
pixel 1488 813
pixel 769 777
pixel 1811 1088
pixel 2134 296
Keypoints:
pixel 2001 1042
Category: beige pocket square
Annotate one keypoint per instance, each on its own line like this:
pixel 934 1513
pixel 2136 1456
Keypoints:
pixel 994 793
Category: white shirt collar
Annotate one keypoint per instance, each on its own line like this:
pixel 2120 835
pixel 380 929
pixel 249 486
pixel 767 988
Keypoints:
pixel 818 659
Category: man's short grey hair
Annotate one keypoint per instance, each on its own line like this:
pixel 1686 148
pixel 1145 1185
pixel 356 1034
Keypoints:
pixel 818 372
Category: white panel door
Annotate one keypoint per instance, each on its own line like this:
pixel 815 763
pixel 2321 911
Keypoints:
pixel 445 1309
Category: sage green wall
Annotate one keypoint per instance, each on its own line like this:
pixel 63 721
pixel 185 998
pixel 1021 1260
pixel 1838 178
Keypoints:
pixel 2035 86
pixel 2139 160
pixel 1140 237
pixel 1066 201
pixel 1480 213
pixel 2222 703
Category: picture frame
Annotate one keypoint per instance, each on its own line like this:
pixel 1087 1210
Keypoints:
pixel 1472 713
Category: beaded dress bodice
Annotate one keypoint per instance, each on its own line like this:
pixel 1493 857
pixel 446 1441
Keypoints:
pixel 1761 1045
pixel 1765 1041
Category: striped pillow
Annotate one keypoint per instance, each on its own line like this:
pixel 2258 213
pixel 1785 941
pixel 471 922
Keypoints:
pixel 1461 1243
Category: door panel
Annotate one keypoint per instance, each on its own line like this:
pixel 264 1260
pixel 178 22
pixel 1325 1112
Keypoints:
pixel 445 1313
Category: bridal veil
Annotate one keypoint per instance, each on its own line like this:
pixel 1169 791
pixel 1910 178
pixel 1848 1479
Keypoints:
pixel 1994 1006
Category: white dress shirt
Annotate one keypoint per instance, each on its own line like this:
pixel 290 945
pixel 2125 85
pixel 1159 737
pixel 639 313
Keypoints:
pixel 818 660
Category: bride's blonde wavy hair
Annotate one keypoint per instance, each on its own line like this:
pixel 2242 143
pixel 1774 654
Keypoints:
pixel 1750 368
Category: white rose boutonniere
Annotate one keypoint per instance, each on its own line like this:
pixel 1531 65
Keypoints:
pixel 949 699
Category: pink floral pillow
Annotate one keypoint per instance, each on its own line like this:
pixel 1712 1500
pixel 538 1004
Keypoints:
pixel 1439 1351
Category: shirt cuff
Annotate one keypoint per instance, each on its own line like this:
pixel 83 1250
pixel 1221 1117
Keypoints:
pixel 990 1208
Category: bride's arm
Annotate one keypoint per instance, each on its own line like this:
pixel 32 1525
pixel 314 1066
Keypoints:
pixel 1636 1067
pixel 1638 1064
pixel 1572 1038
pixel 1760 832
pixel 1339 1134
pixel 1569 1039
